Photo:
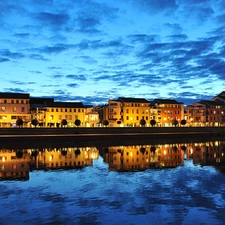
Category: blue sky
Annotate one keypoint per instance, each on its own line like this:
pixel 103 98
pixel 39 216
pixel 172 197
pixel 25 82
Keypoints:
pixel 95 50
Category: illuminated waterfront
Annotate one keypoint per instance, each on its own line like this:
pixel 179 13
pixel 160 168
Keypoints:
pixel 140 184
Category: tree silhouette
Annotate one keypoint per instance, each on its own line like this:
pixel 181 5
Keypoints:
pixel 34 122
pixel 183 122
pixel 118 122
pixel 105 122
pixel 77 122
pixel 152 122
pixel 142 122
pixel 19 122
pixel 174 122
pixel 64 122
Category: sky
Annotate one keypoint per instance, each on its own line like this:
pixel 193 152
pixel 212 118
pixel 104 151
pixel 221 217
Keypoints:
pixel 93 50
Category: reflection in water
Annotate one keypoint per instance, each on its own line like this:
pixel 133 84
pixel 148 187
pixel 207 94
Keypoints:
pixel 16 164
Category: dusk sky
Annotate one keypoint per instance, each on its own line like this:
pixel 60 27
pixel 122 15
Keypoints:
pixel 95 50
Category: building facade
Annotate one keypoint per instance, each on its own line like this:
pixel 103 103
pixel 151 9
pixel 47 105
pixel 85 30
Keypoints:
pixel 12 107
pixel 168 110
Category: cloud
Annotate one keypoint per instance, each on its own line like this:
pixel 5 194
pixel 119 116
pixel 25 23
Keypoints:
pixel 2 60
pixel 11 55
pixel 52 19
pixel 72 85
pixel 56 49
pixel 76 77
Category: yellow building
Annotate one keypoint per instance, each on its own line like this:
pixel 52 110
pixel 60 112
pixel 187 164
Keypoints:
pixel 50 113
pixel 128 112
pixel 12 107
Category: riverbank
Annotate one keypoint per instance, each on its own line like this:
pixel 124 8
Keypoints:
pixel 68 137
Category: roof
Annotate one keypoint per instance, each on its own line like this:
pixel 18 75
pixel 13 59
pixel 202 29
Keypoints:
pixel 208 102
pixel 139 100
pixel 14 95
pixel 34 100
pixel 64 104
pixel 166 101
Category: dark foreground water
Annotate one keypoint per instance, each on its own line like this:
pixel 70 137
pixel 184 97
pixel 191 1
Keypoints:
pixel 190 193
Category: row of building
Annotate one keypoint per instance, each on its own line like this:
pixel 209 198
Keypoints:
pixel 118 112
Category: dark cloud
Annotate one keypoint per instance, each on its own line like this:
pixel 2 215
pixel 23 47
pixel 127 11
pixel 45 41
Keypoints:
pixel 87 25
pixel 22 35
pixel 23 83
pixel 58 48
pixel 2 60
pixel 11 55
pixel 52 19
pixel 76 77
pixel 155 6
pixel 72 85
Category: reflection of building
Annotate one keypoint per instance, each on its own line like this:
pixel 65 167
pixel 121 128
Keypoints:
pixel 66 158
pixel 172 155
pixel 12 107
pixel 135 158
pixel 209 153
pixel 14 165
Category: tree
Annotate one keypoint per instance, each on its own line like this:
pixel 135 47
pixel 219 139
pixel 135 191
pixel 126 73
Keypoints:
pixel 152 122
pixel 118 122
pixel 19 122
pixel 77 122
pixel 142 122
pixel 174 122
pixel 34 122
pixel 64 122
pixel 105 122
pixel 183 122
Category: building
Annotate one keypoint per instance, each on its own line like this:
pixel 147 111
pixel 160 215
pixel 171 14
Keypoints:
pixel 206 113
pixel 12 107
pixel 169 109
pixel 127 112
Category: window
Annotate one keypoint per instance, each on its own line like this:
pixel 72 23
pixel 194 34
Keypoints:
pixel 61 110
pixel 5 101
pixel 13 117
pixel 56 110
pixel 65 110
pixel 52 110
pixel 70 117
pixel 74 110
pixel 70 110
pixel 127 117
pixel 60 117
pixel 2 109
pixel 12 101
pixel 137 117
pixel 137 111
pixel 22 109
pixel 14 109
pixel 17 101
pixel 22 101
pixel 127 111
pixel 78 110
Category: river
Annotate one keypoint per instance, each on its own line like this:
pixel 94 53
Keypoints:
pixel 175 183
